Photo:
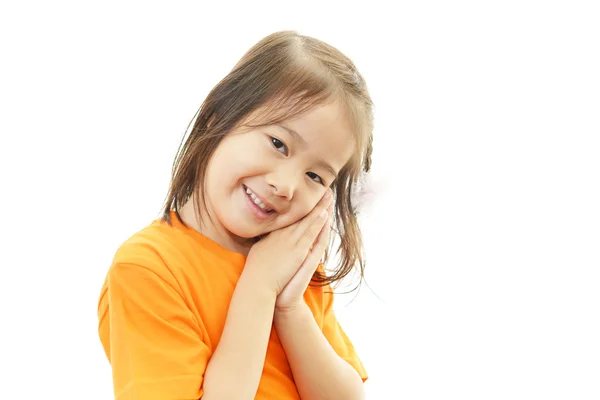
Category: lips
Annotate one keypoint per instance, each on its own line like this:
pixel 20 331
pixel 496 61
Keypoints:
pixel 258 213
pixel 260 203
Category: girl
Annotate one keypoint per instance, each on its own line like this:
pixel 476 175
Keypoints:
pixel 214 300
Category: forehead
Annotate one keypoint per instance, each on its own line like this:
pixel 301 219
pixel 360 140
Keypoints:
pixel 327 132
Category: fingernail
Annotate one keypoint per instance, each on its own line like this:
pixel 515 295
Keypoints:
pixel 323 213
pixel 328 194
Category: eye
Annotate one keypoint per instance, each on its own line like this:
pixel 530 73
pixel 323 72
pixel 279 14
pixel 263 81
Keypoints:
pixel 279 145
pixel 315 177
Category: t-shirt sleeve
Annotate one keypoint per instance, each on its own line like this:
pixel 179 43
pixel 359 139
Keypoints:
pixel 156 348
pixel 337 337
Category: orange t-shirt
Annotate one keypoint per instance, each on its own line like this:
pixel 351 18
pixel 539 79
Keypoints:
pixel 162 310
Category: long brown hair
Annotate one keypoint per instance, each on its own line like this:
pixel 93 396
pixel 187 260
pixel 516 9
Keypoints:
pixel 283 75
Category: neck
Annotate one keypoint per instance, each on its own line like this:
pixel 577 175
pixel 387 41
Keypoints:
pixel 214 231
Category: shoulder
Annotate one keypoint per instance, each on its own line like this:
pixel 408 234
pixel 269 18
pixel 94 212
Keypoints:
pixel 159 247
pixel 176 252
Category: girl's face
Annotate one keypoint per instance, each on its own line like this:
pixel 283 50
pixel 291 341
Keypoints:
pixel 270 177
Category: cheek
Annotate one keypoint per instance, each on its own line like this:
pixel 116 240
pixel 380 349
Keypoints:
pixel 291 217
pixel 303 210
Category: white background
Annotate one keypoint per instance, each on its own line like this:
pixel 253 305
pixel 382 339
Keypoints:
pixel 484 244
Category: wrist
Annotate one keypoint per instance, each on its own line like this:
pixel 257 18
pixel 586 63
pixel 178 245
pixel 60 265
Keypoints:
pixel 292 311
pixel 257 287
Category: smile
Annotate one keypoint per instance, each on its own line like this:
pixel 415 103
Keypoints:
pixel 257 201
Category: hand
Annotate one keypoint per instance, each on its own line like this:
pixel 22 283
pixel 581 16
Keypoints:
pixel 292 294
pixel 276 258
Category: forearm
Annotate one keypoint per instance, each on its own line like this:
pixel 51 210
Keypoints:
pixel 236 365
pixel 318 371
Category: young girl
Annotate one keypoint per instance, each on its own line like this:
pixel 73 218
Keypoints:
pixel 214 300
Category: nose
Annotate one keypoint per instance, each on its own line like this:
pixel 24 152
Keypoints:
pixel 283 182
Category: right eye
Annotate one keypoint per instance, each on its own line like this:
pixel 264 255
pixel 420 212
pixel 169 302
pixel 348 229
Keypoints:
pixel 279 145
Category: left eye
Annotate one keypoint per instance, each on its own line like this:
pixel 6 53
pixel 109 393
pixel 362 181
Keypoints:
pixel 315 177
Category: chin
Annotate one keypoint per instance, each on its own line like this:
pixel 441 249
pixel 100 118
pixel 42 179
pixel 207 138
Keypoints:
pixel 242 232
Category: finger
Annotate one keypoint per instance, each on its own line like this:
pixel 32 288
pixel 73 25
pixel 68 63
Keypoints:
pixel 305 223
pixel 309 235
pixel 298 227
pixel 323 238
pixel 329 221
pixel 313 259
pixel 318 251
pixel 330 209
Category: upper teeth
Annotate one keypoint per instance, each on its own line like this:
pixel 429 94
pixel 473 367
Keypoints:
pixel 256 200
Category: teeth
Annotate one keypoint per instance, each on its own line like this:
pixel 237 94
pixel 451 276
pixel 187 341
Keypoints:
pixel 257 200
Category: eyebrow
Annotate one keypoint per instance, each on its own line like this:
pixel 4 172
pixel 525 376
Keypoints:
pixel 300 139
